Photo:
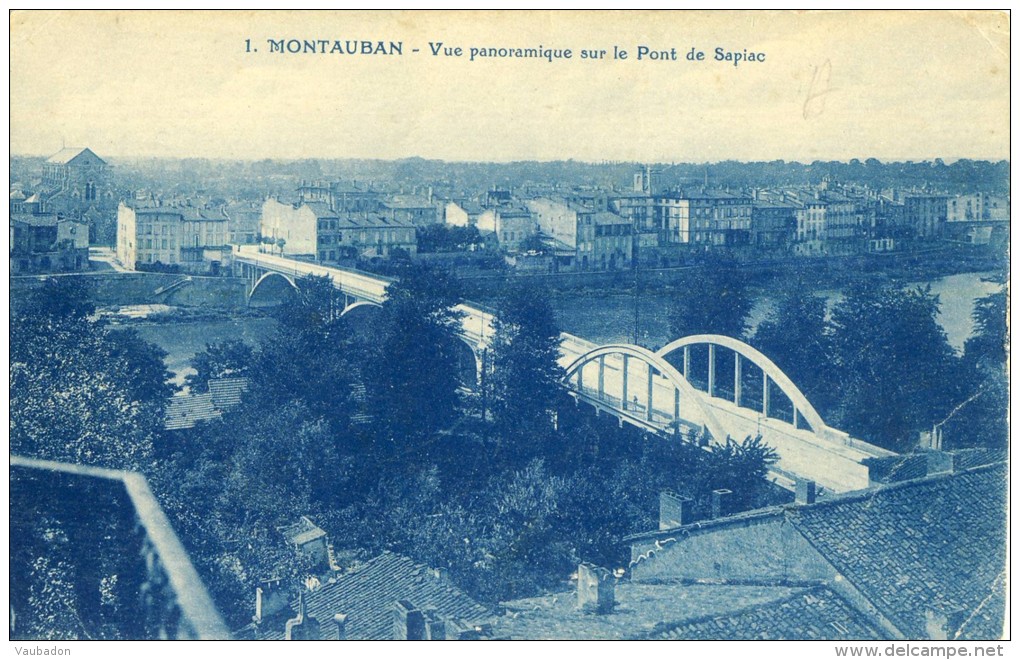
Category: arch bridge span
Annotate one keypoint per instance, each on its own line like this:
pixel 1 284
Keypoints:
pixel 615 378
pixel 771 373
pixel 642 388
pixel 630 380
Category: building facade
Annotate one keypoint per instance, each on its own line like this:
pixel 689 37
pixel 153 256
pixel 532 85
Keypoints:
pixel 46 244
pixel 316 230
pixel 185 238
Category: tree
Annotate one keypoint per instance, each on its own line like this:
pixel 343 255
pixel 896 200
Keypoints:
pixel 896 371
pixel 795 336
pixel 713 301
pixel 80 392
pixel 742 467
pixel 311 358
pixel 981 417
pixel 228 359
pixel 522 382
pixel 411 375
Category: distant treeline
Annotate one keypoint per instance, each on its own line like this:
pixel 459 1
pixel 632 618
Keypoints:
pixel 233 179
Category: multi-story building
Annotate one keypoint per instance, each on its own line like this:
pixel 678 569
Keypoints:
pixel 342 196
pixel 926 214
pixel 979 206
pixel 512 225
pixel 978 219
pixel 463 213
pixel 704 218
pixel 600 240
pixel 828 223
pixel 46 243
pixel 242 222
pixel 316 230
pixel 773 223
pixel 156 234
pixel 412 209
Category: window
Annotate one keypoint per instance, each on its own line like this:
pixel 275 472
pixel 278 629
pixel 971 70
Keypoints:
pixel 164 243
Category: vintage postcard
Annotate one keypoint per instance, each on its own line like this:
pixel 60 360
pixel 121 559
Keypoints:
pixel 510 325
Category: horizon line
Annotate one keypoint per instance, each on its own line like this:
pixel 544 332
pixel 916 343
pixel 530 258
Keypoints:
pixel 290 159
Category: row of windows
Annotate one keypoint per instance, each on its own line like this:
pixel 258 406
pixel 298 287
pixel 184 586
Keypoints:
pixel 151 257
pixel 366 236
pixel 612 230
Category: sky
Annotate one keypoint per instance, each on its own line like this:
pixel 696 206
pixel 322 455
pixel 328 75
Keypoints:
pixel 832 86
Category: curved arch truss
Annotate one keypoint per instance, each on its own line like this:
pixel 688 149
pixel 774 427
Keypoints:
pixel 771 373
pixel 641 385
pixel 359 305
pixel 270 276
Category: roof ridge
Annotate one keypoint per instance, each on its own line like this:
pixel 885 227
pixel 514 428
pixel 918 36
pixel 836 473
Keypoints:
pixel 664 628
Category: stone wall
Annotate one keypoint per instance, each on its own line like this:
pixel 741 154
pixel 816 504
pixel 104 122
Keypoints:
pixel 115 288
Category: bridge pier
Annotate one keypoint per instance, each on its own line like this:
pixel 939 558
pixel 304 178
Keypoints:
pixel 765 395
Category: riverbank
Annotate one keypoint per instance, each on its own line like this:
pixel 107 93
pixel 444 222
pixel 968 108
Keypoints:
pixel 810 272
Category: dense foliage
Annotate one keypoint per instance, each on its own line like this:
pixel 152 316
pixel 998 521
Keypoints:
pixel 81 391
pixel 879 366
pixel 509 503
pixel 710 301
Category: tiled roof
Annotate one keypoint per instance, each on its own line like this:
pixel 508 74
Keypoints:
pixel 68 154
pixel 816 613
pixel 197 214
pixel 226 392
pixel 470 207
pixel 642 610
pixel 406 202
pixel 320 209
pixel 35 220
pixel 368 596
pixel 183 412
pixel 301 532
pixel 931 544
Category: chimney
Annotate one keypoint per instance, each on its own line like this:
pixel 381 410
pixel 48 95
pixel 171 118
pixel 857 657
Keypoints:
pixel 408 621
pixel 941 624
pixel 596 589
pixel 674 510
pixel 302 626
pixel 435 626
pixel 721 502
pixel 806 491
pixel 340 621
pixel 270 598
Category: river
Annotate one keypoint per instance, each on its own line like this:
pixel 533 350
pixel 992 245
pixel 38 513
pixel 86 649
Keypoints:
pixel 606 317
pixel 602 317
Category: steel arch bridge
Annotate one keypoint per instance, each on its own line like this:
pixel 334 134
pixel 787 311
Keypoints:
pixel 643 389
pixel 640 410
